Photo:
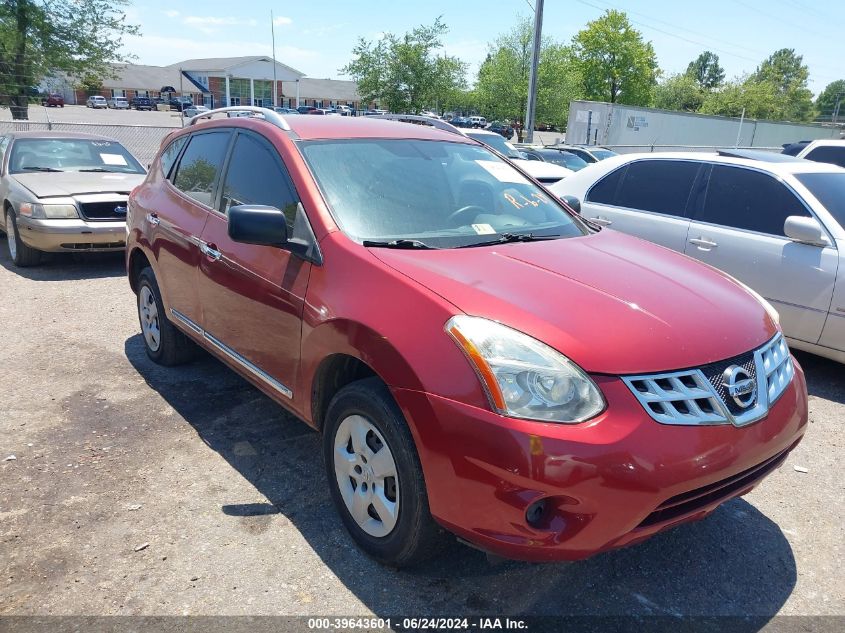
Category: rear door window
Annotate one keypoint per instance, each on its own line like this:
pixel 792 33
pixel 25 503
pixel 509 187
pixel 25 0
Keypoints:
pixel 659 186
pixel 200 165
pixel 604 191
pixel 828 154
pixel 751 200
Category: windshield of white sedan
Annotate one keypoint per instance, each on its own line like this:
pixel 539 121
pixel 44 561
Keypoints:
pixel 68 154
pixel 829 189
pixel 429 194
pixel 497 142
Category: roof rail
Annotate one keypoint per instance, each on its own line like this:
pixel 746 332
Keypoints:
pixel 269 115
pixel 437 123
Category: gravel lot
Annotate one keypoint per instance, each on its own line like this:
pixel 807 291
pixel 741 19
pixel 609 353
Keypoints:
pixel 137 489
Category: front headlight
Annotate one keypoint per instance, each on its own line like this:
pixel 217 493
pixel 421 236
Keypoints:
pixel 48 211
pixel 523 377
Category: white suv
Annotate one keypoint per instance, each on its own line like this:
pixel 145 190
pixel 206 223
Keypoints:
pixel 478 121
pixel 773 221
pixel 96 101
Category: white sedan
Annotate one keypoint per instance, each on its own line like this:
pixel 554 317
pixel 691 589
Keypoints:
pixel 775 222
pixel 194 110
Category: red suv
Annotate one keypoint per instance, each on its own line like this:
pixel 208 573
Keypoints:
pixel 478 358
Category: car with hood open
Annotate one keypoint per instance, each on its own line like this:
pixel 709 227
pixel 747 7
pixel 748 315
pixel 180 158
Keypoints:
pixel 479 359
pixel 64 192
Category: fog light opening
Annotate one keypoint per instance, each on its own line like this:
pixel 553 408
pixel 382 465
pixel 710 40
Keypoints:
pixel 535 513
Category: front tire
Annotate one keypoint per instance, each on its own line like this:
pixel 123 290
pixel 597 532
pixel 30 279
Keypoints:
pixel 165 345
pixel 21 254
pixel 375 476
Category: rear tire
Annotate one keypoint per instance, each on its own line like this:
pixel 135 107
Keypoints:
pixel 376 478
pixel 21 254
pixel 165 345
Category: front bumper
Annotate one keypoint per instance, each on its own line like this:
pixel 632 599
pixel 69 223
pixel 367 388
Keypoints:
pixel 609 482
pixel 72 235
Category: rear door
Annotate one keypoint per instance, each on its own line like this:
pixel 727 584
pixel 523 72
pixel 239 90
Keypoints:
pixel 177 213
pixel 648 198
pixel 738 228
pixel 253 296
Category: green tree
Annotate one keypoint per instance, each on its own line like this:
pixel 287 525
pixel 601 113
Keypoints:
pixel 826 102
pixel 786 72
pixel 706 71
pixel 43 37
pixel 405 73
pixel 679 92
pixel 757 98
pixel 501 91
pixel 616 63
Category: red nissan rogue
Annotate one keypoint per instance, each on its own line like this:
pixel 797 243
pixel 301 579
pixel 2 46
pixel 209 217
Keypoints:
pixel 478 358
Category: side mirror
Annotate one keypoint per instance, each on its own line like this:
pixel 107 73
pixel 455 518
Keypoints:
pixel 258 224
pixel 804 230
pixel 573 203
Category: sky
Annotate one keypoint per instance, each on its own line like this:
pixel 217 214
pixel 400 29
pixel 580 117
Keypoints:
pixel 317 37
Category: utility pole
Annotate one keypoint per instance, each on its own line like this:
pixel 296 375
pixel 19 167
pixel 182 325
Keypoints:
pixel 836 107
pixel 273 36
pixel 532 77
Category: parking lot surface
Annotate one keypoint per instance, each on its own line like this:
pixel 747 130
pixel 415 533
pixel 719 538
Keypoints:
pixel 81 114
pixel 129 488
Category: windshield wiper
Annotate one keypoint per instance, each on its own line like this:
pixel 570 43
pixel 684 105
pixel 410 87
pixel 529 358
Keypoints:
pixel 506 238
pixel 111 171
pixel 42 169
pixel 398 244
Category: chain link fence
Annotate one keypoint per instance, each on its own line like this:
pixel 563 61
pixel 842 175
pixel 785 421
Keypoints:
pixel 142 141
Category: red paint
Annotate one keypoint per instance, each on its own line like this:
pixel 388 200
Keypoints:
pixel 611 303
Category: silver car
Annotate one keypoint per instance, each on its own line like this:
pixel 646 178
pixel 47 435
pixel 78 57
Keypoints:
pixel 64 192
pixel 775 222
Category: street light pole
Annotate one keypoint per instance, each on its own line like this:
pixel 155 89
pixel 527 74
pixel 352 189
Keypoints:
pixel 836 107
pixel 532 77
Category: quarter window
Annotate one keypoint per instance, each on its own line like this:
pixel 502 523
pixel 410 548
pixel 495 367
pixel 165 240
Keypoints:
pixel 200 164
pixel 660 186
pixel 750 200
pixel 256 176
pixel 171 153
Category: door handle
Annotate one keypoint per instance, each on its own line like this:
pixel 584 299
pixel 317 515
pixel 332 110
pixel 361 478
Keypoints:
pixel 602 221
pixel 702 243
pixel 210 251
pixel 152 218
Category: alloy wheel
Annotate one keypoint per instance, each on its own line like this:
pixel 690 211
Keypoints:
pixel 366 475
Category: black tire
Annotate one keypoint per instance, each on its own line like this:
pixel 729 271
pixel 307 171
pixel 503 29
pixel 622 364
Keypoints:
pixel 24 256
pixel 174 347
pixel 416 536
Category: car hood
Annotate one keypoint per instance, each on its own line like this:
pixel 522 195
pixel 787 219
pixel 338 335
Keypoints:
pixel 614 304
pixel 540 169
pixel 72 183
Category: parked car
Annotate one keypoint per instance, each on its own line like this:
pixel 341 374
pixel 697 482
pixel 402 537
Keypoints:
pixel 53 100
pixel 557 156
pixel 823 151
pixel 305 109
pixel 194 110
pixel 286 111
pixel 546 173
pixel 64 192
pixel 345 110
pixel 772 221
pixel 180 103
pixel 540 388
pixel 460 121
pixel 502 128
pixel 142 103
pixel 118 103
pixel 477 121
pixel 588 153
pixel 96 101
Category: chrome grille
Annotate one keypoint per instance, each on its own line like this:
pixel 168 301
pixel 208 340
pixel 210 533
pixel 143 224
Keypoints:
pixel 700 396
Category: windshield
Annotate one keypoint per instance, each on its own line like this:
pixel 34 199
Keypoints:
pixel 602 154
pixel 71 154
pixel 564 159
pixel 829 189
pixel 438 193
pixel 497 142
